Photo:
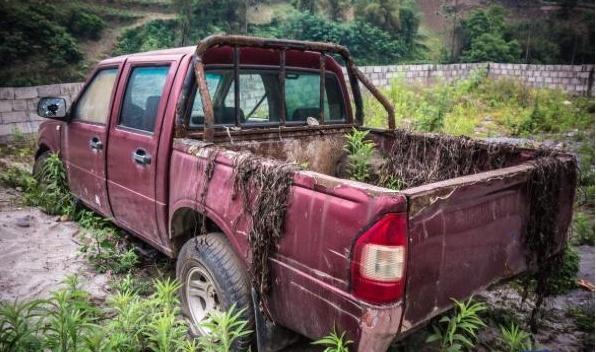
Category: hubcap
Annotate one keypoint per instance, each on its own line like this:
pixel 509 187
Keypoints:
pixel 202 297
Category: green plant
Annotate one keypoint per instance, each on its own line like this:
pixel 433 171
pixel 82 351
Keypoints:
pixel 18 326
pixel 583 318
pixel 69 318
pixel 583 230
pixel 458 331
pixel 224 328
pixel 52 193
pixel 359 151
pixel 334 342
pixel 514 338
pixel 105 246
pixel 565 278
pixel 391 182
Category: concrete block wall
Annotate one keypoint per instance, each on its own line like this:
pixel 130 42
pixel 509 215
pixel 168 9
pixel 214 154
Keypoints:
pixel 18 106
pixel 576 80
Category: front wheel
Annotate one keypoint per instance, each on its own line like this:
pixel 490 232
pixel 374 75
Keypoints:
pixel 213 279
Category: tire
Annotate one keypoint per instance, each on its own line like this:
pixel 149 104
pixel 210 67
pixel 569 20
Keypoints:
pixel 210 266
pixel 37 171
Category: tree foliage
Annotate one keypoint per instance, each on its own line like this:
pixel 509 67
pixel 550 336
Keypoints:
pixel 156 34
pixel 28 28
pixel 486 38
pixel 368 45
pixel 199 18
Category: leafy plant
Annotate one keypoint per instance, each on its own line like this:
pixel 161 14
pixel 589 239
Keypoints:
pixel 18 326
pixel 564 280
pixel 52 194
pixel 458 331
pixel 515 338
pixel 359 151
pixel 583 230
pixel 225 328
pixel 334 342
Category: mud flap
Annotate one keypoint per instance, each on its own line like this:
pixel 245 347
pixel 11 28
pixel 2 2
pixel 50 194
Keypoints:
pixel 270 336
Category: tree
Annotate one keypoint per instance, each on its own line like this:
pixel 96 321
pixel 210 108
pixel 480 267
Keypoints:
pixel 489 47
pixel 487 37
pixel 199 18
pixel 383 14
pixel 29 28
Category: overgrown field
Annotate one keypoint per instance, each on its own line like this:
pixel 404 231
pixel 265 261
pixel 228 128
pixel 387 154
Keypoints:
pixel 141 314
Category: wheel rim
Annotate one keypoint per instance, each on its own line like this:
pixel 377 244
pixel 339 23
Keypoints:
pixel 202 297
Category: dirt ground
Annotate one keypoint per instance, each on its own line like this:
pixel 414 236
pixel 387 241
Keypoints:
pixel 37 253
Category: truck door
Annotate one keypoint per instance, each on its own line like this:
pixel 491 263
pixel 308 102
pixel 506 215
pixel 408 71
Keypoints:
pixel 133 145
pixel 84 150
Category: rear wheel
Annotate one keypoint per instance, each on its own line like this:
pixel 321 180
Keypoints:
pixel 213 279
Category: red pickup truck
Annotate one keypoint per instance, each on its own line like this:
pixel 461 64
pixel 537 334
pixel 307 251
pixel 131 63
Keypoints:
pixel 226 156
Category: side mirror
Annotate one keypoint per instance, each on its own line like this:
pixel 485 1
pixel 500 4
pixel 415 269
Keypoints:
pixel 52 108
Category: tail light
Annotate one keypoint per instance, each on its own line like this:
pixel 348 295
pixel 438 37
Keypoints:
pixel 379 260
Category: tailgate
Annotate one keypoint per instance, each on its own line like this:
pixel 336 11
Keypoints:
pixel 465 233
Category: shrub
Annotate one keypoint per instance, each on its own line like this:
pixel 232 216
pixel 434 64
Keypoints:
pixel 458 332
pixel 582 230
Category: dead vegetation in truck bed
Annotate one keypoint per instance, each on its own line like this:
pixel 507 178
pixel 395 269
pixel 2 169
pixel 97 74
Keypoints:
pixel 417 159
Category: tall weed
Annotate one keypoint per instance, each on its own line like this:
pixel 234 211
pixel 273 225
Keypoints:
pixel 459 331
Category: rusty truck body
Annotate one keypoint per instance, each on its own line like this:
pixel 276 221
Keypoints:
pixel 153 142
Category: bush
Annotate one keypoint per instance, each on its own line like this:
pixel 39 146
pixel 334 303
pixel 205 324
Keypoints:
pixel 156 34
pixel 582 230
pixel 29 27
pixel 83 24
pixel 564 278
pixel 367 44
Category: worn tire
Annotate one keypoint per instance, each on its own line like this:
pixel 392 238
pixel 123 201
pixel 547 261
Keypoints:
pixel 38 165
pixel 209 267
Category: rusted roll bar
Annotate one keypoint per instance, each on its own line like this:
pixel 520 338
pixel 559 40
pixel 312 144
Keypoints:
pixel 236 41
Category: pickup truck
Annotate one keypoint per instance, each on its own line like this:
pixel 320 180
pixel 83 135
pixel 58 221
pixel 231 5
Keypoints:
pixel 227 156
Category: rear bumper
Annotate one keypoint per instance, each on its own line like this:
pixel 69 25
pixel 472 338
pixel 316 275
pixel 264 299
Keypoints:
pixel 314 308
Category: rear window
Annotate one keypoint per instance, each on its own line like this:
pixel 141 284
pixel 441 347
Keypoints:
pixel 260 98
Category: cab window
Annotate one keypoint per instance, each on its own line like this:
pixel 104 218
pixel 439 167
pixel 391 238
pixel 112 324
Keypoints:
pixel 94 104
pixel 141 98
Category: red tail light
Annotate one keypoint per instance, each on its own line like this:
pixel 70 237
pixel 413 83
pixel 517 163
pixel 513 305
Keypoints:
pixel 379 260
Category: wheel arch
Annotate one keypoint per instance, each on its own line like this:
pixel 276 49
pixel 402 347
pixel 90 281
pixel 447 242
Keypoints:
pixel 186 221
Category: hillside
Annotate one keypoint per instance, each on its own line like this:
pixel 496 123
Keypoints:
pixel 438 19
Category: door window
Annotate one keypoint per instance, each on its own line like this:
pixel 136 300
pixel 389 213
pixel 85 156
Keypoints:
pixel 94 104
pixel 142 96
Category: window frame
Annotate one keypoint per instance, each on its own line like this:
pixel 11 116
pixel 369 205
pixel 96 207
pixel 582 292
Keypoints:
pixel 76 104
pixel 258 69
pixel 131 70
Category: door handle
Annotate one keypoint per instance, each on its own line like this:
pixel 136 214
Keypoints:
pixel 95 144
pixel 141 157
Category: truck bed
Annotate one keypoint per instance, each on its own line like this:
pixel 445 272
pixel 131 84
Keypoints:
pixel 465 232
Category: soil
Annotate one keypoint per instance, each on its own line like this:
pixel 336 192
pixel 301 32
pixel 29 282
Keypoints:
pixel 37 253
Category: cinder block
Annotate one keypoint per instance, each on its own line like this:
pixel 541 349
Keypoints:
pixel 25 93
pixel 25 127
pixel 6 129
pixel 5 105
pixel 71 89
pixel 52 90
pixel 19 105
pixel 32 104
pixel 6 93
pixel 15 116
pixel 35 117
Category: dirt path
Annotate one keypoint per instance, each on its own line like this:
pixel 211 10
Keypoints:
pixel 37 253
pixel 101 49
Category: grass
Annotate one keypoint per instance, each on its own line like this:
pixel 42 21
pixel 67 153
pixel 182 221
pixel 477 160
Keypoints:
pixel 483 107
